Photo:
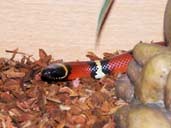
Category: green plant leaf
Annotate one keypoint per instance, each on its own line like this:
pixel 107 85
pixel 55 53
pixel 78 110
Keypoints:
pixel 167 23
pixel 103 15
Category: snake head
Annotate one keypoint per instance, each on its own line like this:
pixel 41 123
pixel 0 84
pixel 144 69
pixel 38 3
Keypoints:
pixel 54 72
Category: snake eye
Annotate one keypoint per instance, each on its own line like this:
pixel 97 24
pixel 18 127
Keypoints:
pixel 54 72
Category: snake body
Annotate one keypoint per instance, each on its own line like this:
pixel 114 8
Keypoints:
pixel 82 69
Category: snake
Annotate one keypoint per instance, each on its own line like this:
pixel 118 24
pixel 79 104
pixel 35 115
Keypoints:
pixel 97 69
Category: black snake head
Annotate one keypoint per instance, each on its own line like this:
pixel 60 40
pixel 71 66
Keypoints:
pixel 54 72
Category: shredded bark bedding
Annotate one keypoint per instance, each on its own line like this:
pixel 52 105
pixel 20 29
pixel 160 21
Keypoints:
pixel 28 102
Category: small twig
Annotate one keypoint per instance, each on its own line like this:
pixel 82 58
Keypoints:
pixel 14 53
pixel 21 53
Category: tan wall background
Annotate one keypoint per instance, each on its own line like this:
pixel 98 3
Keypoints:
pixel 66 28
